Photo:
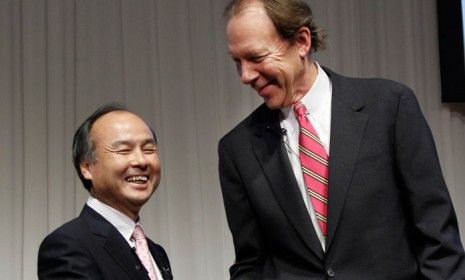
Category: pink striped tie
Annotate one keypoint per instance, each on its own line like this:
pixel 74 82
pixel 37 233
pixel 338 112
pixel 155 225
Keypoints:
pixel 314 161
pixel 142 251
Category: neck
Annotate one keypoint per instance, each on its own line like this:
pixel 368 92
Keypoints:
pixel 308 77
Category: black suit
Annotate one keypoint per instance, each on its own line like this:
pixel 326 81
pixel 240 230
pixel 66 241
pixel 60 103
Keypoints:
pixel 390 214
pixel 90 247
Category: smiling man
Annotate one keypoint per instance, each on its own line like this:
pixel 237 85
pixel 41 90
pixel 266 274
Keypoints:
pixel 115 155
pixel 332 177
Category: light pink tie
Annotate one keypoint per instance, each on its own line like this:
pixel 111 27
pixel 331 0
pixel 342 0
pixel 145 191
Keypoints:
pixel 314 162
pixel 142 251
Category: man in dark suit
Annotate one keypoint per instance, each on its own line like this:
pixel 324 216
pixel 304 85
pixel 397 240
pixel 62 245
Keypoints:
pixel 379 209
pixel 115 155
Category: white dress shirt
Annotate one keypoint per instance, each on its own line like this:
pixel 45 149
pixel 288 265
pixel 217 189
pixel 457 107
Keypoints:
pixel 121 222
pixel 318 103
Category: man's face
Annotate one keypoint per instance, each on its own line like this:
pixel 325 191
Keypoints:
pixel 272 66
pixel 126 169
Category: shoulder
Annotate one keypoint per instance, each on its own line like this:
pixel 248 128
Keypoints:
pixel 370 93
pixel 65 240
pixel 67 253
pixel 370 87
pixel 69 228
pixel 69 233
pixel 77 232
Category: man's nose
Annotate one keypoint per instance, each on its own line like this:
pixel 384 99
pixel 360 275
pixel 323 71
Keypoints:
pixel 247 72
pixel 139 158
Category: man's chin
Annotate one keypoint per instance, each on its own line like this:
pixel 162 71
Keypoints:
pixel 139 201
pixel 140 197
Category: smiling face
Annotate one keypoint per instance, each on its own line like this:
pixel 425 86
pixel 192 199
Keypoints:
pixel 278 70
pixel 126 168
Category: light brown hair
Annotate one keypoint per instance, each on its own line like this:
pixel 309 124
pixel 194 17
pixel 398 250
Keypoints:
pixel 288 16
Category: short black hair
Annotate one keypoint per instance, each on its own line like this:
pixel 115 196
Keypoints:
pixel 83 148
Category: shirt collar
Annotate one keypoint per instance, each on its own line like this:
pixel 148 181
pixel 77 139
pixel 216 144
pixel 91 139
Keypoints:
pixel 121 222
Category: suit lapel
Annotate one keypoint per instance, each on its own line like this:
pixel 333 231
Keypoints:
pixel 161 260
pixel 270 152
pixel 115 244
pixel 122 254
pixel 347 127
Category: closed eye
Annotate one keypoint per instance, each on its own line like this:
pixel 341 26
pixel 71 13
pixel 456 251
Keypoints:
pixel 257 59
pixel 149 148
pixel 123 151
pixel 150 151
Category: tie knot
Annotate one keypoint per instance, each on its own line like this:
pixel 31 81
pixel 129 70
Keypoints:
pixel 138 233
pixel 300 109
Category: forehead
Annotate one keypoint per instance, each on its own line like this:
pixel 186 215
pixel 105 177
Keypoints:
pixel 249 16
pixel 250 29
pixel 120 125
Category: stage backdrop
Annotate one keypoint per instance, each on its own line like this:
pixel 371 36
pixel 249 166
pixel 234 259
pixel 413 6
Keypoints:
pixel 168 61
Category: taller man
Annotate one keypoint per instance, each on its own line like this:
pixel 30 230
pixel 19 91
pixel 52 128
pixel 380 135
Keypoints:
pixel 332 177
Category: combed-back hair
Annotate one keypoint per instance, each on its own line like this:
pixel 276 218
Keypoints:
pixel 288 16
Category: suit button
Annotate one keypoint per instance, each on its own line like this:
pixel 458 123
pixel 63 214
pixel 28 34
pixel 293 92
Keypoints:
pixel 137 267
pixel 330 272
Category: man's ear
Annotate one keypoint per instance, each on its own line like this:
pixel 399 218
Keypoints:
pixel 86 169
pixel 304 41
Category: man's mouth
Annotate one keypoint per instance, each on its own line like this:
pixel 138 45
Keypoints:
pixel 260 89
pixel 138 179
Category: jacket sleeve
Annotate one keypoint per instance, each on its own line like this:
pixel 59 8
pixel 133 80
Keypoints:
pixel 242 222
pixel 439 250
pixel 61 257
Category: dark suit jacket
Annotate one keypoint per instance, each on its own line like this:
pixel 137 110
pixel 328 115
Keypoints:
pixel 390 214
pixel 89 247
